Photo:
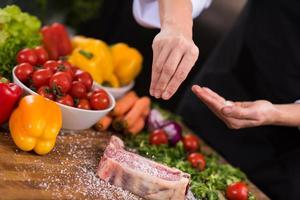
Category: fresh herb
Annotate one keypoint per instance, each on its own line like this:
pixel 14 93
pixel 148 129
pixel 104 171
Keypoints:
pixel 208 184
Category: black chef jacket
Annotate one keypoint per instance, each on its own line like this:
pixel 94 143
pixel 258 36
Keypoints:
pixel 258 59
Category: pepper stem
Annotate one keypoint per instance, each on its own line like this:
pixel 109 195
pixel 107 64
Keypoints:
pixel 86 54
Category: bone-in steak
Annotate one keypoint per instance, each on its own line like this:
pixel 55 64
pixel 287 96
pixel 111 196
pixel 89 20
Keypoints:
pixel 139 175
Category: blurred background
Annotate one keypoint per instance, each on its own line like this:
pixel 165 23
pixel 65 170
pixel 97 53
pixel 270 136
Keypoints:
pixel 112 21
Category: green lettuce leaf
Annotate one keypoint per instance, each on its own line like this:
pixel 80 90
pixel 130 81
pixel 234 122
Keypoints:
pixel 17 31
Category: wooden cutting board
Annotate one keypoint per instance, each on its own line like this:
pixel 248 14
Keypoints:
pixel 68 172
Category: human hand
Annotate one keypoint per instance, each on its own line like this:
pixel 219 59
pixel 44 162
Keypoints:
pixel 237 115
pixel 174 55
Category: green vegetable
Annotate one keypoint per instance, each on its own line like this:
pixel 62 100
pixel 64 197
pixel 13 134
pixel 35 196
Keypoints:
pixel 17 31
pixel 209 184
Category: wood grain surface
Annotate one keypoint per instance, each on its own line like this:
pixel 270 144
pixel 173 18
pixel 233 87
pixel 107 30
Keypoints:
pixel 68 172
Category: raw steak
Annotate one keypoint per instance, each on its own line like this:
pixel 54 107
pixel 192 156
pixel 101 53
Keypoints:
pixel 141 176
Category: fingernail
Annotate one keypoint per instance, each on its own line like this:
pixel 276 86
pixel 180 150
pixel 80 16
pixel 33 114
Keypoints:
pixel 157 94
pixel 166 95
pixel 196 88
pixel 151 92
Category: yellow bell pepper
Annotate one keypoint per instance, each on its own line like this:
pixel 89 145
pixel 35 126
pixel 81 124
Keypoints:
pixel 127 62
pixel 35 124
pixel 94 56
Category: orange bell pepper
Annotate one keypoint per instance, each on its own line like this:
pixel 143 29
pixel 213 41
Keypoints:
pixel 35 123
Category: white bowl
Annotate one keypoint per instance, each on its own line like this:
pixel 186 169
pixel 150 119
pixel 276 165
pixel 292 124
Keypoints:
pixel 116 92
pixel 75 118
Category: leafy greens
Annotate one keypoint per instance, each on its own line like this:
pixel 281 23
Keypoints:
pixel 17 30
pixel 209 184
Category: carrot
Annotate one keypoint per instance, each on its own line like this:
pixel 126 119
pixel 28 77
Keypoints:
pixel 103 123
pixel 137 127
pixel 124 104
pixel 137 111
pixel 146 112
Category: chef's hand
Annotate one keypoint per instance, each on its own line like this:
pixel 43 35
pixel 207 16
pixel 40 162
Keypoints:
pixel 237 115
pixel 174 55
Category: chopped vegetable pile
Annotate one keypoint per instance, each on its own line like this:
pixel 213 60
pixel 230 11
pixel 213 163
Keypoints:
pixel 17 30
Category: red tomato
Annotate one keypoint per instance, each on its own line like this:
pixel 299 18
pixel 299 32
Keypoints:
pixel 99 100
pixel 237 191
pixel 65 63
pixel 191 143
pixel 197 160
pixel 23 72
pixel 41 77
pixel 61 81
pixel 65 66
pixel 27 55
pixel 66 100
pixel 89 94
pixel 84 104
pixel 41 54
pixel 46 92
pixel 51 64
pixel 85 78
pixel 158 137
pixel 78 90
pixel 74 69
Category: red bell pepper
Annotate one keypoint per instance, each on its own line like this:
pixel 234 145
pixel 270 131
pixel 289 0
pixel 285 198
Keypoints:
pixel 10 93
pixel 56 40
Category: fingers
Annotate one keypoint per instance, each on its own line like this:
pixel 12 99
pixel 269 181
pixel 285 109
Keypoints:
pixel 209 99
pixel 234 123
pixel 213 104
pixel 180 75
pixel 214 95
pixel 157 67
pixel 234 116
pixel 156 50
pixel 244 104
pixel 239 112
pixel 174 54
pixel 168 71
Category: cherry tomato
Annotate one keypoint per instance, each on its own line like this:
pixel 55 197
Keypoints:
pixel 197 160
pixel 23 72
pixel 27 55
pixel 99 100
pixel 65 63
pixel 84 104
pixel 41 54
pixel 85 78
pixel 41 77
pixel 78 90
pixel 74 69
pixel 158 137
pixel 191 143
pixel 237 191
pixel 89 94
pixel 66 100
pixel 65 66
pixel 46 92
pixel 51 64
pixel 61 81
